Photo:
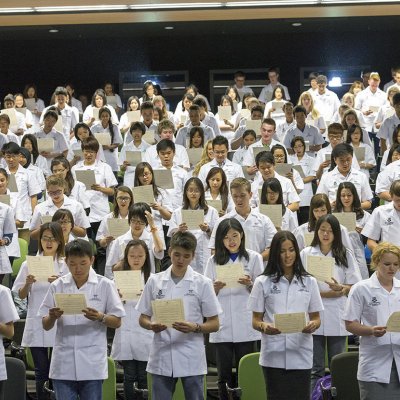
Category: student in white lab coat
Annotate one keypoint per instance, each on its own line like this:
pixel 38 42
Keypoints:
pixel 370 304
pixel 228 126
pixel 8 314
pixel 236 338
pixel 178 351
pixel 331 335
pixel 99 100
pixel 347 200
pixel 131 344
pixel 30 92
pixel 285 287
pixel 79 361
pixel 65 218
pixel 27 285
pixel 194 199
pixel 133 104
pixel 29 142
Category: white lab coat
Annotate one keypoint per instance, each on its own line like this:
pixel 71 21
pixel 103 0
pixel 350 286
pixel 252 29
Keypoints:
pixel 231 170
pixel 235 320
pixel 7 226
pixel 174 353
pixel 306 163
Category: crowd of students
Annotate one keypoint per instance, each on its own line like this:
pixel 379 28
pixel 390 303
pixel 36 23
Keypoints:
pixel 312 161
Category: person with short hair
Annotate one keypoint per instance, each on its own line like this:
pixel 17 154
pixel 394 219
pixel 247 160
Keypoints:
pixel 273 75
pixel 178 351
pixel 370 304
pixel 240 79
pixel 326 101
pixel 99 100
pixel 6 135
pixel 20 127
pixel 206 116
pixel 386 110
pixel 79 360
pixel 287 123
pixel 249 137
pixel 389 125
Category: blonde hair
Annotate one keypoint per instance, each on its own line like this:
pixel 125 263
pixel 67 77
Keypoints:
pixel 314 112
pixel 204 158
pixel 380 250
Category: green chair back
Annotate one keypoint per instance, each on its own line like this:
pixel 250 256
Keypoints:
pixel 251 378
pixel 344 375
pixel 23 246
pixel 110 384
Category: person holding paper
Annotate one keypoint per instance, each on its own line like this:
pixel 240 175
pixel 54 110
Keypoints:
pixel 29 142
pixel 148 92
pixel 79 361
pixel 34 104
pixel 7 231
pixel 20 106
pixel 5 134
pixel 60 145
pixel 285 287
pixel 351 117
pixel 51 244
pixel 314 118
pixel 194 199
pixel 265 163
pixel 271 193
pixel 327 242
pixel 25 160
pixel 99 100
pixel 109 91
pixel 8 314
pixel 65 218
pixel 370 304
pixel 217 189
pixel 347 201
pixel 355 139
pixel 249 137
pixel 131 344
pixel 273 108
pixel 142 227
pixel 228 126
pixel 390 123
pixel 236 337
pixel 133 104
pixel 386 160
pixel 159 102
pixel 181 114
pixel 178 351
pixel 19 126
pixel 206 156
pixel 341 171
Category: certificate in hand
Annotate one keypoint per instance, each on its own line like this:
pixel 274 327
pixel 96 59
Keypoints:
pixel 193 218
pixel 133 157
pixel 183 118
pixel 290 322
pixel 257 150
pixel 254 124
pixel 167 312
pixel 224 112
pixel 277 105
pixel 374 109
pixel 111 101
pixel 129 283
pixel 217 204
pixel 103 138
pixel 307 142
pixel 143 194
pixel 308 238
pixel 283 169
pixel 30 104
pixel 46 218
pixel 393 323
pixel 133 116
pixel 321 267
pixel 70 303
pixel 5 199
pixel 347 219
pixel 230 274
pixel 163 178
pixel 41 267
pixel 86 176
pixel 12 114
pixel 274 212
pixel 59 124
pixel 45 144
pixel 194 155
pixel 149 137
pixel 12 183
pixel 117 226
pixel 328 156
pixel 78 153
pixel 245 113
pixel 96 113
pixel 300 170
pixel 359 152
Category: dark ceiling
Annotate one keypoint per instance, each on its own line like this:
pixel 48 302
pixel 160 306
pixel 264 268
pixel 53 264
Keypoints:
pixel 146 30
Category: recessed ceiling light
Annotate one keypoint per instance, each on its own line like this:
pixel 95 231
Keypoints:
pixel 53 30
pixel 297 24
pixel 169 28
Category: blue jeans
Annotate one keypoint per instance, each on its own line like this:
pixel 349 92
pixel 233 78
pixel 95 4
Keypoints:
pixel 41 359
pixel 134 371
pixel 163 387
pixel 86 390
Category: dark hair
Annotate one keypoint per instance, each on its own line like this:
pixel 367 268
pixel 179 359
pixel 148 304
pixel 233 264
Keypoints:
pixel 78 248
pixel 395 188
pixel 4 172
pixel 99 92
pixel 223 190
pixel 300 109
pixel 27 87
pixel 265 156
pixel 229 88
pixel 352 129
pixel 221 255
pixel 202 200
pixel 279 147
pixel 257 108
pixel 274 267
pixel 111 126
pixel 396 131
pixel 124 189
pixel 298 139
pixel 33 140
pixel 269 121
pixel 165 144
pixel 337 248
pixel 186 240
pixel 396 99
pixel 69 179
pixel 342 149
pixel 91 144
pixel 193 87
pixel 146 266
pixel 146 85
pixel 138 210
pixel 249 132
pixel 193 131
pixel 146 105
pixel 61 90
pixel 50 113
pixel 200 101
pixel 128 103
pixel 276 187
pixel 187 96
pixel 356 206
pixel 395 147
pixel 220 141
pixel 10 148
pixel 230 101
pixel 60 215
pixel 317 201
pixel 282 90
pixel 139 171
pixel 137 126
pixel 56 231
pixel 81 125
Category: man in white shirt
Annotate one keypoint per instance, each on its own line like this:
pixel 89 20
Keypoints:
pixel 166 130
pixel 325 101
pixel 389 125
pixel 240 78
pixel 266 92
pixel 385 179
pixel 368 102
pixel 310 133
pixel 220 148
pixel 194 116
pixel 74 102
pixel 289 121
pixel 395 79
pixel 205 117
pixel 19 126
